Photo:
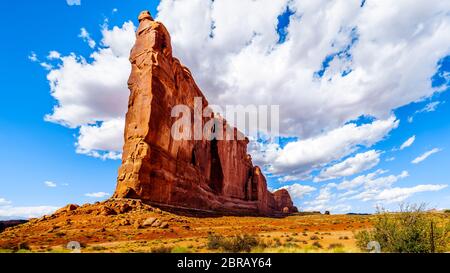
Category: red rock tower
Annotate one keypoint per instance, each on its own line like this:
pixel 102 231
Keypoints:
pixel 209 175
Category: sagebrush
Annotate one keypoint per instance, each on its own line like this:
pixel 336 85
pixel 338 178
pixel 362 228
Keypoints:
pixel 412 230
pixel 234 244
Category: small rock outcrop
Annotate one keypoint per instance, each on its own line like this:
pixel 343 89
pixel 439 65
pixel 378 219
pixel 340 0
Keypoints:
pixel 205 175
pixel 284 201
pixel 68 208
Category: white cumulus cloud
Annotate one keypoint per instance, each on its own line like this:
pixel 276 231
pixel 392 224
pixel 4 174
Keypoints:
pixel 53 55
pixel 12 212
pixel 50 184
pixel 84 34
pixel 401 194
pixel 73 2
pixel 426 155
pixel 94 139
pixel 97 194
pixel 298 191
pixel 325 202
pixel 408 143
pixel 4 202
pixel 379 55
pixel 375 187
pixel 379 188
pixel 430 107
pixel 351 166
pixel 33 57
pixel 92 96
pixel 361 180
pixel 303 156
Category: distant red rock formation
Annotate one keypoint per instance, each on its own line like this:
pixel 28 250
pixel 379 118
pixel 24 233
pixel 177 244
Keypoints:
pixel 284 201
pixel 210 175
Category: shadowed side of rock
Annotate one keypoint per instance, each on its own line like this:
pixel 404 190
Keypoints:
pixel 211 175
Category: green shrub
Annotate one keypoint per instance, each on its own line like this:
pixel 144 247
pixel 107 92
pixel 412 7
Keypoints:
pixel 162 249
pixel 411 230
pixel 233 244
pixel 317 244
pixel 60 234
pixel 215 241
pixel 180 249
pixel 447 211
pixel 241 244
pixel 98 248
pixel 10 247
pixel 276 242
pixel 335 245
pixel 23 246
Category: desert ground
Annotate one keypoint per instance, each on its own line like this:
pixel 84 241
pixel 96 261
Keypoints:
pixel 131 226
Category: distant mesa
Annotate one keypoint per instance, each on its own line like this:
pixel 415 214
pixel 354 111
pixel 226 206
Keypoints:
pixel 10 223
pixel 204 175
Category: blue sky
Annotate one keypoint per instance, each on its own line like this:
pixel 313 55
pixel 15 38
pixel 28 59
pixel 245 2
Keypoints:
pixel 36 151
pixel 33 150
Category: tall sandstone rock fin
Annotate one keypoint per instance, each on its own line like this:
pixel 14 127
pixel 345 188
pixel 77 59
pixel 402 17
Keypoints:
pixel 211 175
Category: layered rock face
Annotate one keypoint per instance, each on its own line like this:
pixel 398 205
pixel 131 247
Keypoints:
pixel 209 175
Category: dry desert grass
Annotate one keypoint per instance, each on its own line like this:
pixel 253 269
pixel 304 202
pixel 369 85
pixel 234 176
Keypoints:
pixel 130 226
